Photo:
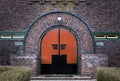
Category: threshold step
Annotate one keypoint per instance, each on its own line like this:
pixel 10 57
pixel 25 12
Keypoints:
pixel 62 78
pixel 65 80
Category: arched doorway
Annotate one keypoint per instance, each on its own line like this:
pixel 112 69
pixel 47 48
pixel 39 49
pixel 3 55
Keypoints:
pixel 59 51
pixel 85 41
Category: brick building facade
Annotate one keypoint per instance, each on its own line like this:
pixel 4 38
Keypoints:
pixel 84 17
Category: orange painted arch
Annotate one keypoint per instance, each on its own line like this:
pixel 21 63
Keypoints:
pixel 50 38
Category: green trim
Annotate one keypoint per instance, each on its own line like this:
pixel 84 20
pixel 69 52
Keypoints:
pixel 19 33
pixel 14 35
pixel 106 34
pixel 7 32
pixel 11 39
pixel 82 0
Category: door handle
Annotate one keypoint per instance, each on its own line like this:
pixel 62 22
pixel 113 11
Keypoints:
pixel 63 46
pixel 55 46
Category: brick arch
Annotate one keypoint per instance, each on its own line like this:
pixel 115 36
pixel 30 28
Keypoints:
pixel 85 40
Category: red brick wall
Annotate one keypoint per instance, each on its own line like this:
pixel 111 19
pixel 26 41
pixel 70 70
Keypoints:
pixel 100 15
pixel 9 49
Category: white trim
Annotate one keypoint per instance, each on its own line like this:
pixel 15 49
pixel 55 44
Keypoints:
pixel 18 36
pixel 104 36
pixel 8 37
pixel 114 37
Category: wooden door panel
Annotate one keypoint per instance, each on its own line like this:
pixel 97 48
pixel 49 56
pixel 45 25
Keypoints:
pixel 71 47
pixel 51 39
pixel 59 52
pixel 47 49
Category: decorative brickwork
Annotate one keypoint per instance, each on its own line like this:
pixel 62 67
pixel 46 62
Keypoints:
pixel 18 15
pixel 31 61
pixel 84 38
pixel 90 62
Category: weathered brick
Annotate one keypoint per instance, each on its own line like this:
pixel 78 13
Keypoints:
pixel 100 15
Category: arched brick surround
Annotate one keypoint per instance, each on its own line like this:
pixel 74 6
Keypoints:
pixel 84 36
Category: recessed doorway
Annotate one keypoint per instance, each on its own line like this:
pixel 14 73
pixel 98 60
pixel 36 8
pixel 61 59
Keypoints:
pixel 59 51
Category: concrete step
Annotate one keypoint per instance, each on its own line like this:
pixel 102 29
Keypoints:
pixel 61 78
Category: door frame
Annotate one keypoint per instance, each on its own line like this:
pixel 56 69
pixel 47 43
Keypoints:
pixel 86 42
pixel 54 27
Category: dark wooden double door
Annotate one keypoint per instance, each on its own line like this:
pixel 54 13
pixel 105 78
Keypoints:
pixel 59 52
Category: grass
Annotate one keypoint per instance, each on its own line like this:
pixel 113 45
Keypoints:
pixel 108 74
pixel 17 73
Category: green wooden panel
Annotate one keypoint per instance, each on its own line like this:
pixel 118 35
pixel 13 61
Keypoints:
pixel 6 35
pixel 109 35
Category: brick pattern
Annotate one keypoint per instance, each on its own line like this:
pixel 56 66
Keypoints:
pixel 101 15
pixel 54 2
pixel 90 62
pixel 85 43
pixel 31 61
pixel 9 49
pixel 112 49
